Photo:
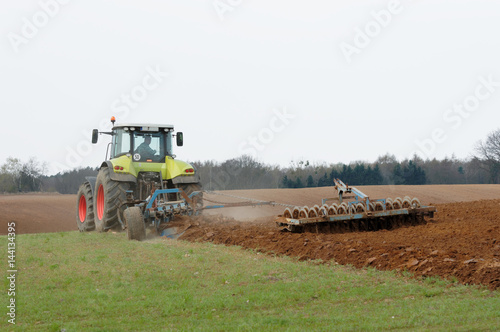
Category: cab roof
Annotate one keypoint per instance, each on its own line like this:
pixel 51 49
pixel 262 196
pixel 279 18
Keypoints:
pixel 144 126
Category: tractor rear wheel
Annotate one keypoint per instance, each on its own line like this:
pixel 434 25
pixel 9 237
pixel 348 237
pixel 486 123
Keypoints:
pixel 108 197
pixel 85 208
pixel 136 229
pixel 189 188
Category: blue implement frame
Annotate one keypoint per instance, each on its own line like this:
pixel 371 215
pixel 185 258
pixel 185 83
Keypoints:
pixel 426 210
pixel 352 213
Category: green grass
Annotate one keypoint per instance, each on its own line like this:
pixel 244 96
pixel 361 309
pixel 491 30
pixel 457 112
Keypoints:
pixel 103 282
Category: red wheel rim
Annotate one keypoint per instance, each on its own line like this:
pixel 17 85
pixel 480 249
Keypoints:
pixel 82 208
pixel 100 202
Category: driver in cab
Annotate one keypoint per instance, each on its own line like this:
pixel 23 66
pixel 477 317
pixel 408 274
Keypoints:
pixel 144 149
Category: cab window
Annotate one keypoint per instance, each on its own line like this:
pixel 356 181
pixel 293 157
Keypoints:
pixel 121 144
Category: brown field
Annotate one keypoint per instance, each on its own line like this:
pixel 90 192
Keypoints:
pixel 462 241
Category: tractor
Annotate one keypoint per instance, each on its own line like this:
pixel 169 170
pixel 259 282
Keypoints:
pixel 140 184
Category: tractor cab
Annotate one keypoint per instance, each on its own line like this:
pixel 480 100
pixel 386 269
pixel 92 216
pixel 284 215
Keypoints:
pixel 142 142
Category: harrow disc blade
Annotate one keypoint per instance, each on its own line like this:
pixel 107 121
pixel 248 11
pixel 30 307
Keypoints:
pixel 304 212
pixel 342 209
pixel 333 209
pixel 323 211
pixel 406 203
pixel 415 203
pixel 388 204
pixel 397 203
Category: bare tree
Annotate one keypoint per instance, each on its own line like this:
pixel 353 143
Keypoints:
pixel 488 152
pixel 17 176
pixel 31 174
pixel 386 164
pixel 12 171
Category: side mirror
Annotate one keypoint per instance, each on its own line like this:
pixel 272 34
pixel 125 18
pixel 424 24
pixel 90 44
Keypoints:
pixel 180 138
pixel 95 135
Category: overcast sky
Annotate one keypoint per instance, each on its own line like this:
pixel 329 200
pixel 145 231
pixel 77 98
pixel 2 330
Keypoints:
pixel 324 81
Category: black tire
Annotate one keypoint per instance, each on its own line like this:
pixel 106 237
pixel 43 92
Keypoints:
pixel 108 196
pixel 136 229
pixel 85 208
pixel 189 188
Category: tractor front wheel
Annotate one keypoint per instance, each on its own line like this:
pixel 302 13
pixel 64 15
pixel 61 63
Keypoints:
pixel 136 229
pixel 108 196
pixel 85 208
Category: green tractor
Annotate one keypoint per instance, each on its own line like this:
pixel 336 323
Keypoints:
pixel 141 184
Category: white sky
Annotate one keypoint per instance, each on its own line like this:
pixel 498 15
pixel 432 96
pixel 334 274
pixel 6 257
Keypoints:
pixel 228 77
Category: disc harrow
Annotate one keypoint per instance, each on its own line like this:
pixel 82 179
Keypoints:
pixel 358 214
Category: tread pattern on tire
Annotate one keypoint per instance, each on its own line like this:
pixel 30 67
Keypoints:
pixel 88 224
pixel 136 229
pixel 114 195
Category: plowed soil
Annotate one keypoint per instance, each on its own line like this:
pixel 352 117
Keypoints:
pixel 38 213
pixel 462 241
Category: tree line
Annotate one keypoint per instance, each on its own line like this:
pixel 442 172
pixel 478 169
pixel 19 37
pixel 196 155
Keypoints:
pixel 17 176
pixel 246 172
